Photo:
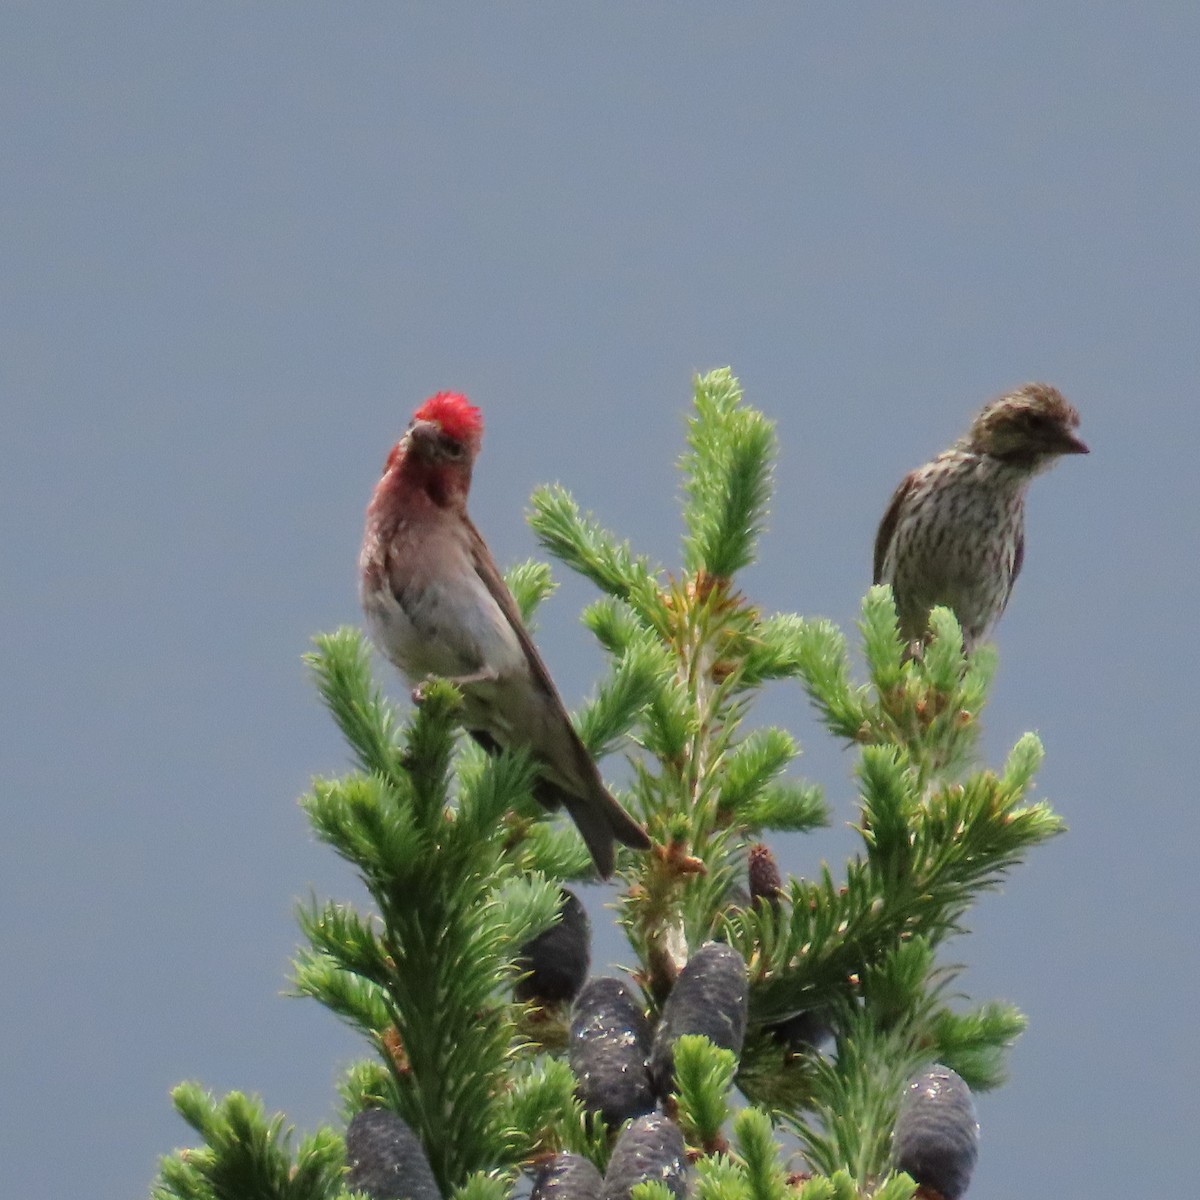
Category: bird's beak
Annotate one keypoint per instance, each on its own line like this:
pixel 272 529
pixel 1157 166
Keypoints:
pixel 1070 444
pixel 424 433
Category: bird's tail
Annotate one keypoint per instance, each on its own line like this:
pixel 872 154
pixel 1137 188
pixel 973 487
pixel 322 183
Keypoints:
pixel 601 822
pixel 600 819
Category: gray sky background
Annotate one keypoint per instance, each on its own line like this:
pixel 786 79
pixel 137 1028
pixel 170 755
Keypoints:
pixel 238 243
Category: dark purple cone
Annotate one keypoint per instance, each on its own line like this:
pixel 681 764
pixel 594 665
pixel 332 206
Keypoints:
pixel 763 875
pixel 557 959
pixel 709 997
pixel 936 1136
pixel 651 1148
pixel 566 1177
pixel 810 1028
pixel 607 1050
pixel 386 1160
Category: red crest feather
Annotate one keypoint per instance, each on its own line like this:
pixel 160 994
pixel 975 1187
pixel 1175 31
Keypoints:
pixel 457 416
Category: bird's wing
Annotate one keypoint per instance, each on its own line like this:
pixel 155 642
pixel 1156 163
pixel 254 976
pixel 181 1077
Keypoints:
pixel 485 568
pixel 887 526
pixel 592 807
pixel 1018 561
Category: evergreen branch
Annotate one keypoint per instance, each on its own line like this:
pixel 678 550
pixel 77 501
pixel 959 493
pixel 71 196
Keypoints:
pixel 968 836
pixel 453 1035
pixel 961 840
pixel 977 678
pixel 759 1152
pixel 633 683
pixel 668 722
pixel 719 1177
pixel 651 1189
pixel 485 1185
pixel 354 944
pixel 554 849
pixel 841 1185
pixel 776 645
pixel 904 988
pixel 359 1002
pixel 614 623
pixel 895 1185
pixel 727 478
pixel 883 647
pixel 442 952
pixel 752 791
pixel 348 942
pixel 368 1083
pixel 823 664
pixel 341 664
pixel 1022 765
pixel 975 1043
pixel 494 784
pixel 703 1077
pixel 530 583
pixel 320 1159
pixel 541 1113
pixel 428 745
pixel 928 706
pixel 523 907
pixel 889 802
pixel 595 554
pixel 856 1096
pixel 944 659
pixel 755 761
pixel 369 822
pixel 786 805
pixel 246 1155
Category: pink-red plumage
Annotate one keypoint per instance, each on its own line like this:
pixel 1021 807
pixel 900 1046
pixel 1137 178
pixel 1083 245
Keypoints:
pixel 436 605
pixel 457 416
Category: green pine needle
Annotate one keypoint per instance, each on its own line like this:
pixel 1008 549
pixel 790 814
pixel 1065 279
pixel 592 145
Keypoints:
pixel 976 1043
pixel 634 682
pixel 530 583
pixel 759 1152
pixel 584 546
pixel 703 1076
pixel 247 1154
pixel 341 664
pixel 727 478
pixel 485 1185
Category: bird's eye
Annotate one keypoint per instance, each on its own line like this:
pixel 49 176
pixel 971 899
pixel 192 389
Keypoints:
pixel 452 449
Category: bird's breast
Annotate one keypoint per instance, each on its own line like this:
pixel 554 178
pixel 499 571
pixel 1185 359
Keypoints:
pixel 439 622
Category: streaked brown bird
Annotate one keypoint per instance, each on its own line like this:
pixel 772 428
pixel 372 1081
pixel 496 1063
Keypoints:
pixel 436 605
pixel 954 532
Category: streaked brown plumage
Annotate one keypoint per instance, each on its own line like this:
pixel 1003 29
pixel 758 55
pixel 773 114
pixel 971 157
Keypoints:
pixel 436 605
pixel 954 532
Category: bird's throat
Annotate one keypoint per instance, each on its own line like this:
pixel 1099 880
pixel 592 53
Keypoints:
pixel 444 485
